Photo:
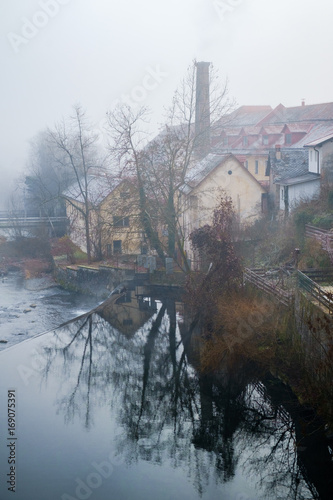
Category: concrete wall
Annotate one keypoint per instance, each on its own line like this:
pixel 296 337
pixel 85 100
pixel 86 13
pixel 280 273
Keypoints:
pixel 315 329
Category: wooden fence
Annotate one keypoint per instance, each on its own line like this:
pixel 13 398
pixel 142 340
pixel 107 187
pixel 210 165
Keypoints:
pixel 260 278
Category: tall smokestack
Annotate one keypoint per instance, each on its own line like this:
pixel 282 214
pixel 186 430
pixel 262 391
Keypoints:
pixel 202 107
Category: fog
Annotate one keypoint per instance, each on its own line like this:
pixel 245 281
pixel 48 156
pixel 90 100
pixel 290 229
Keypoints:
pixel 55 53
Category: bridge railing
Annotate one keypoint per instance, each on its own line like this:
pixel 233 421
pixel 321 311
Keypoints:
pixel 14 220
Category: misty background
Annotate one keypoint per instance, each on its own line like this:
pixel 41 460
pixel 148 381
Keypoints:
pixel 56 53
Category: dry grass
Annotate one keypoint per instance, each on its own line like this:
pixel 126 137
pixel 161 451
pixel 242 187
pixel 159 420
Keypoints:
pixel 243 327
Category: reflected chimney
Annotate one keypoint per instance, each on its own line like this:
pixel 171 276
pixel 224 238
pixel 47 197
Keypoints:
pixel 202 107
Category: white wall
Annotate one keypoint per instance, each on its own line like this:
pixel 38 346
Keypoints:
pixel 299 192
pixel 313 160
pixel 325 152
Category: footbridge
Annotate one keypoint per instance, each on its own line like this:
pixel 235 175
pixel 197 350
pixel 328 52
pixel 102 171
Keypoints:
pixel 20 220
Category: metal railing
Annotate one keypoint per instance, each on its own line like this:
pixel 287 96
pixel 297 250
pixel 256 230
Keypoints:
pixel 313 281
pixel 8 220
pixel 258 277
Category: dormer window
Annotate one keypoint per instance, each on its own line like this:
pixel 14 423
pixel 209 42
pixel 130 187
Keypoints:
pixel 245 140
pixel 265 140
pixel 288 138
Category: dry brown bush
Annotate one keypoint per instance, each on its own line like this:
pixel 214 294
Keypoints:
pixel 243 327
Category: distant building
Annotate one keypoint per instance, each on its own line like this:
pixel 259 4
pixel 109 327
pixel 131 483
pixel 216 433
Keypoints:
pixel 250 132
pixel 290 179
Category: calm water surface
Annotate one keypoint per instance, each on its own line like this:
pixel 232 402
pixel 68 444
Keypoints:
pixel 111 406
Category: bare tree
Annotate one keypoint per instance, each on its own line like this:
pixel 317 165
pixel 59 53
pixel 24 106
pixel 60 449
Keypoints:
pixel 46 179
pixel 162 165
pixel 74 145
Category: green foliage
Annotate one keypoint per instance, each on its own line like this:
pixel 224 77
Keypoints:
pixel 324 221
pixel 302 216
pixel 330 200
pixel 313 256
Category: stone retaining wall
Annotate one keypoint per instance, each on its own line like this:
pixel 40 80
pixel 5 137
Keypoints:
pixel 99 281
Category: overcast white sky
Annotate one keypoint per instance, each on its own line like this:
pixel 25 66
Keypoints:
pixel 55 53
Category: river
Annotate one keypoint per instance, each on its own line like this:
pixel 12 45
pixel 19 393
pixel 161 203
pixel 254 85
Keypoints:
pixel 30 307
pixel 113 406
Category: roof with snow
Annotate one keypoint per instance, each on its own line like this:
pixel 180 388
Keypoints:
pixel 245 116
pixel 310 112
pixel 309 177
pixel 320 140
pixel 294 163
pixel 202 169
pixel 99 186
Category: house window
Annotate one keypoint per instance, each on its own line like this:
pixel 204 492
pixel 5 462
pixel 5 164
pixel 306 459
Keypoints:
pixel 119 221
pixel 288 138
pixel 126 298
pixel 282 194
pixel 265 139
pixel 225 141
pixel 245 140
pixel 256 170
pixel 193 202
pixel 124 194
pixel 310 154
pixel 116 246
pixel 246 164
pixel 127 322
pixel 108 250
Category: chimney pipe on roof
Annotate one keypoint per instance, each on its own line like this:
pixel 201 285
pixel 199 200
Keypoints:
pixel 202 107
pixel 303 102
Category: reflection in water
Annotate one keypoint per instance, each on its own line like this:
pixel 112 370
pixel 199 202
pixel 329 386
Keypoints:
pixel 130 355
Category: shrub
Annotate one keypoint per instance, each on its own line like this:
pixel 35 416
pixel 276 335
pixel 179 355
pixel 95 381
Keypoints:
pixel 302 216
pixel 65 246
pixel 324 221
pixel 313 256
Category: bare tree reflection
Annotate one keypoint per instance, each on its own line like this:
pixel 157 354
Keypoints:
pixel 136 361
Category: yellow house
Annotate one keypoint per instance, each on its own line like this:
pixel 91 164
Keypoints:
pixel 113 217
pixel 120 222
pixel 203 188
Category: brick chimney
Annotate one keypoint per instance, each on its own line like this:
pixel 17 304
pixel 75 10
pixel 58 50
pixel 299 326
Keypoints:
pixel 202 108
